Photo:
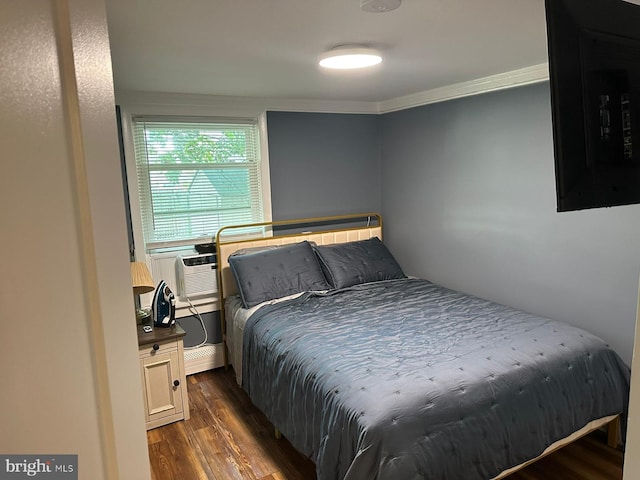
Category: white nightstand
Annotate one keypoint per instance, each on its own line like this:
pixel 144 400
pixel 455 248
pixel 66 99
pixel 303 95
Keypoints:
pixel 164 383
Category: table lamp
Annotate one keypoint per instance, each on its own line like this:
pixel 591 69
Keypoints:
pixel 142 283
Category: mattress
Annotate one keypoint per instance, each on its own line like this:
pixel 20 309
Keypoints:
pixel 407 379
pixel 237 317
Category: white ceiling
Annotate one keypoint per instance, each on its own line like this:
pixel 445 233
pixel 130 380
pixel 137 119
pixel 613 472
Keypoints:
pixel 268 48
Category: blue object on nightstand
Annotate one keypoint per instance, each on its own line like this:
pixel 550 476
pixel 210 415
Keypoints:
pixel 163 307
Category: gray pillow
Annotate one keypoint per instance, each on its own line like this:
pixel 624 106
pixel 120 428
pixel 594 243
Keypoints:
pixel 352 263
pixel 275 273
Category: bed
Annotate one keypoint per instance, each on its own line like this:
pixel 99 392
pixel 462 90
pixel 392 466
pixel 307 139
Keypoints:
pixel 374 375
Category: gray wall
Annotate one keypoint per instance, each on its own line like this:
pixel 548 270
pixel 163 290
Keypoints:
pixel 195 335
pixel 323 164
pixel 468 200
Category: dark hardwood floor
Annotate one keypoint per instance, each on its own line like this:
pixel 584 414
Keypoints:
pixel 228 438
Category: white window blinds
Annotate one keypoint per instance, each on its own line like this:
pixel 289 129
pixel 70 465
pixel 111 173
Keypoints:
pixel 195 177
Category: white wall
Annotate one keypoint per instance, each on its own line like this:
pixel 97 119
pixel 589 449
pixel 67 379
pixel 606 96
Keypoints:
pixel 70 377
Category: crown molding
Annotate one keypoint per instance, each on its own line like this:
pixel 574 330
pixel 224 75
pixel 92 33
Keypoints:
pixel 500 81
pixel 159 102
pixel 323 106
pixel 192 104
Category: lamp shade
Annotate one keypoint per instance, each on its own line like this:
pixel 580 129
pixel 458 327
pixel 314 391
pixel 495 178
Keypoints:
pixel 141 278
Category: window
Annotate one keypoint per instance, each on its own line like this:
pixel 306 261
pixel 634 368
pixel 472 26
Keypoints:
pixel 195 177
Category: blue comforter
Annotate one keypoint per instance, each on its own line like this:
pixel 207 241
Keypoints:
pixel 405 379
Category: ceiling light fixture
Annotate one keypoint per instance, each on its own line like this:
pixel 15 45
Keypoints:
pixel 349 57
pixel 379 6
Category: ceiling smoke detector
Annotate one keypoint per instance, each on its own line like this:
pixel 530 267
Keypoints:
pixel 379 6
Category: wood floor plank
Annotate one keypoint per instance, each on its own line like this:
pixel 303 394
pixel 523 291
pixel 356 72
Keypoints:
pixel 221 459
pixel 227 438
pixel 600 465
pixel 154 436
pixel 176 457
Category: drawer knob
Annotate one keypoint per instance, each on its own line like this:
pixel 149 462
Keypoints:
pixel 156 346
pixel 176 383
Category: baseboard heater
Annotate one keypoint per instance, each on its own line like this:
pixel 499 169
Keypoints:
pixel 203 358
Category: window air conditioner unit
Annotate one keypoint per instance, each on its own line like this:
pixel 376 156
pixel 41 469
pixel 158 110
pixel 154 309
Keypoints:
pixel 196 275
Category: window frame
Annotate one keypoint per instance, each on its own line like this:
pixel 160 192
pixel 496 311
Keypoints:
pixel 148 167
pixel 174 110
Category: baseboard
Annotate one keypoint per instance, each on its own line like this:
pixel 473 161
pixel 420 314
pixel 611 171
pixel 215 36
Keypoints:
pixel 203 358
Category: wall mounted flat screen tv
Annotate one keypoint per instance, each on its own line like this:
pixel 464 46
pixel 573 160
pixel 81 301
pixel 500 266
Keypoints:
pixel 594 70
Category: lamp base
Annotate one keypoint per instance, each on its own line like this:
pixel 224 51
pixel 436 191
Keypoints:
pixel 142 315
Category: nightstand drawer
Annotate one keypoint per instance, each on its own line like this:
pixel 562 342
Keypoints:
pixel 157 348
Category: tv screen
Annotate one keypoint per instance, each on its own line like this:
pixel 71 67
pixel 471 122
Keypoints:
pixel 594 70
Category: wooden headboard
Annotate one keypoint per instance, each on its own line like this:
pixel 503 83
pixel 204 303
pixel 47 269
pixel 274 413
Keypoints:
pixel 321 230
